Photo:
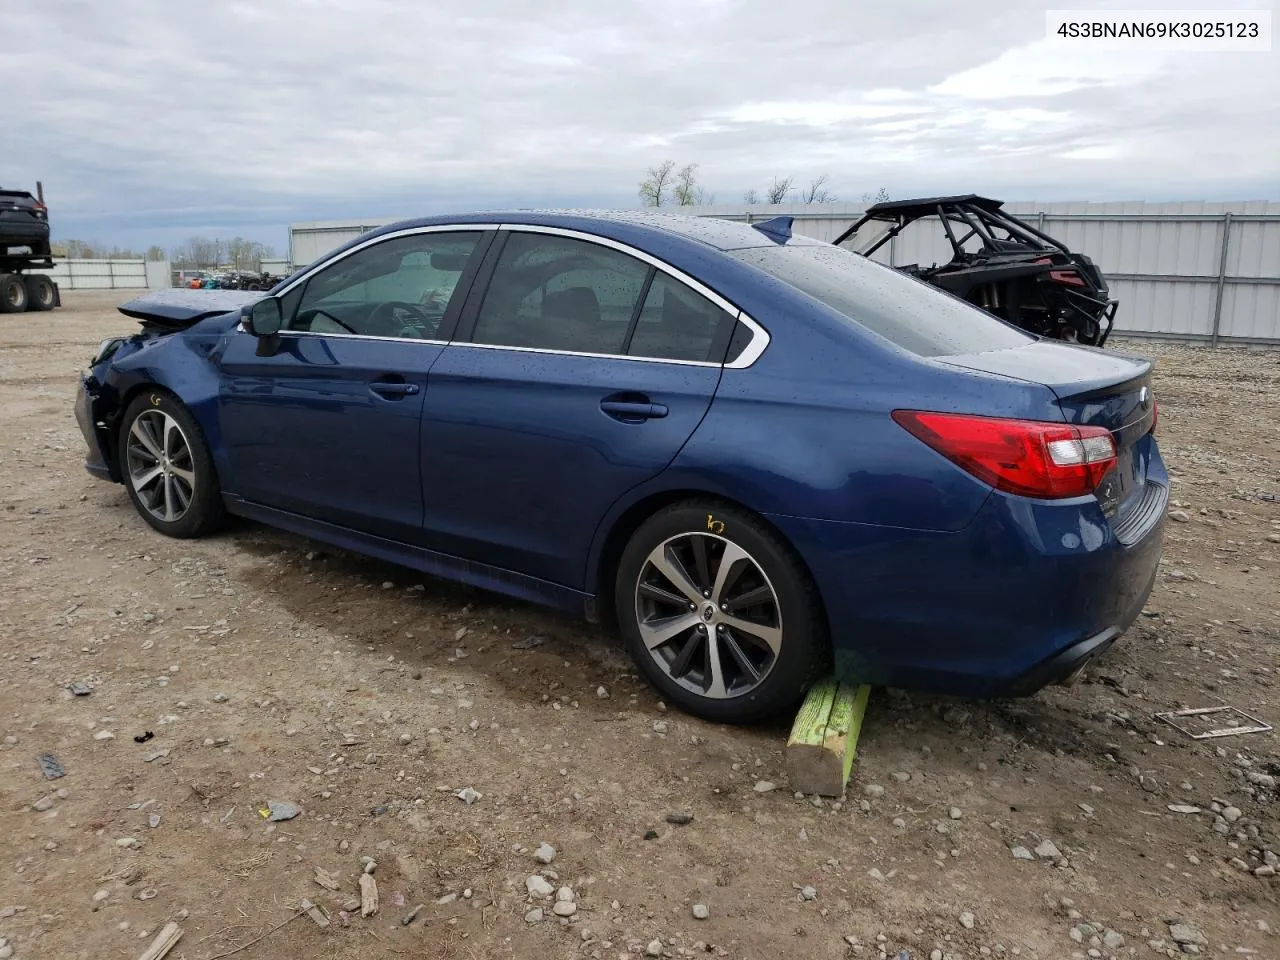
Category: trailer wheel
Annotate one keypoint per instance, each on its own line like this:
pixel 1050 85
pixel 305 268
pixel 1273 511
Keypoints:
pixel 40 293
pixel 13 293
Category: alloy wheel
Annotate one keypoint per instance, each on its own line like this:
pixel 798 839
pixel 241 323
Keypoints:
pixel 708 615
pixel 160 465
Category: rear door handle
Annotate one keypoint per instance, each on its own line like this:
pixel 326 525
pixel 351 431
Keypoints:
pixel 631 411
pixel 393 391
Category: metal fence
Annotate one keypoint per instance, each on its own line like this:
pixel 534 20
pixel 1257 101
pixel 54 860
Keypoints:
pixel 72 274
pixel 1190 271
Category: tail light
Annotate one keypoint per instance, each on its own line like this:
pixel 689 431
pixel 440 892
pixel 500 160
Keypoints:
pixel 1155 414
pixel 1031 458
pixel 1066 276
pixel 40 210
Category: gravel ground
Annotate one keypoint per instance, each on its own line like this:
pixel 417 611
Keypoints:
pixel 263 668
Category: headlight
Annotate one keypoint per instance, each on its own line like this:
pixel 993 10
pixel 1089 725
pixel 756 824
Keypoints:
pixel 105 349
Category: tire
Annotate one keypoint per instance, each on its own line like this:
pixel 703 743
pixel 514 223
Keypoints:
pixel 772 641
pixel 13 293
pixel 177 494
pixel 40 292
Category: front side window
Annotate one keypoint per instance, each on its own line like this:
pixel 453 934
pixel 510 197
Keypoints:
pixel 397 288
pixel 556 293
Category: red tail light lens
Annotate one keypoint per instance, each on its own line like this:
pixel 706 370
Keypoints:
pixel 1066 276
pixel 1049 461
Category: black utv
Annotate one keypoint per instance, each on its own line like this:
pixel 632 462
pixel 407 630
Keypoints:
pixel 999 263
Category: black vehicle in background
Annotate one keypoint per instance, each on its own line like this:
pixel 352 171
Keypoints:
pixel 999 263
pixel 24 245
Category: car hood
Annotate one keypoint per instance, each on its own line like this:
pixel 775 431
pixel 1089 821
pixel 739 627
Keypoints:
pixel 180 308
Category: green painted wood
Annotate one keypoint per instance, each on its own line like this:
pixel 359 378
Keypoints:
pixel 824 737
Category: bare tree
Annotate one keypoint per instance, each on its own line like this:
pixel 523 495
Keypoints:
pixel 751 196
pixel 199 252
pixel 817 191
pixel 880 196
pixel 155 253
pixel 653 189
pixel 778 190
pixel 686 190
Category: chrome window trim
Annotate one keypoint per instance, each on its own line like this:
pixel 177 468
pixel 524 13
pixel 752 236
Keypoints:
pixel 360 336
pixel 407 232
pixel 648 258
pixel 592 356
pixel 760 337
pixel 751 353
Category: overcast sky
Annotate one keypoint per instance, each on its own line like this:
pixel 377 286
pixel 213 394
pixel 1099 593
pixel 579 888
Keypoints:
pixel 150 121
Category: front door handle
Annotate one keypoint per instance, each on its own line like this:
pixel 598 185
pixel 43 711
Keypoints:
pixel 393 391
pixel 633 411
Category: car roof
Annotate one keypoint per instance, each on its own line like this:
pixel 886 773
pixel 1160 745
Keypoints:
pixel 622 225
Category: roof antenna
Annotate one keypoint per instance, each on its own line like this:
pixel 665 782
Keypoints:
pixel 777 229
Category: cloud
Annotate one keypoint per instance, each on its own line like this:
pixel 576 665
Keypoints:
pixel 144 121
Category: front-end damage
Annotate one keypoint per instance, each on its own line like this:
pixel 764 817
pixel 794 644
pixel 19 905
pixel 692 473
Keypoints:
pixel 189 320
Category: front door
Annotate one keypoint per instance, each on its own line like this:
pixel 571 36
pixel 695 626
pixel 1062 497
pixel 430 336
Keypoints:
pixel 579 374
pixel 329 424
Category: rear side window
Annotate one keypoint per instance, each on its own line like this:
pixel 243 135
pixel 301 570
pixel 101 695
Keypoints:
pixel 677 323
pixel 556 293
pixel 903 310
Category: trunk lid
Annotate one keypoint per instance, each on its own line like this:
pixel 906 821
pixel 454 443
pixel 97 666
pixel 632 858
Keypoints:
pixel 1094 388
pixel 180 308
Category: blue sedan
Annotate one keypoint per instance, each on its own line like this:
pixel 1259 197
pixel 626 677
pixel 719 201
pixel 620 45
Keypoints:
pixel 759 455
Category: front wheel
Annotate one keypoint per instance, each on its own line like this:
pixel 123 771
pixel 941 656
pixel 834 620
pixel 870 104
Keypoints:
pixel 719 613
pixel 167 467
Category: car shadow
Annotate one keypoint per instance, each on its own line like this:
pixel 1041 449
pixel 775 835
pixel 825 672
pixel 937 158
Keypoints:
pixel 538 655
pixel 534 652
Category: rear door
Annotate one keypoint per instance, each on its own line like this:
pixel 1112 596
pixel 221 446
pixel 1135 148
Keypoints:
pixel 580 369
pixel 328 424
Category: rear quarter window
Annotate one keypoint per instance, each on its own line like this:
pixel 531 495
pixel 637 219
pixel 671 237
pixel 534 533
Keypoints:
pixel 907 312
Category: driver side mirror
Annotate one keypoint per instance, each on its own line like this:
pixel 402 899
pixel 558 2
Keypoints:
pixel 265 318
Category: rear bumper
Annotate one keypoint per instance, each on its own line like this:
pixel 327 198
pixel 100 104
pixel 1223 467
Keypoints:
pixel 1018 600
pixel 1062 666
pixel 95 437
pixel 24 232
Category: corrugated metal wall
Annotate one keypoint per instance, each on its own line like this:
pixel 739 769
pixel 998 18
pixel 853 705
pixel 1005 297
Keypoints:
pixel 110 274
pixel 1166 262
pixel 310 241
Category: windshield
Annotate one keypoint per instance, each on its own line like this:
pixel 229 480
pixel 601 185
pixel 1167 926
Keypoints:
pixel 908 312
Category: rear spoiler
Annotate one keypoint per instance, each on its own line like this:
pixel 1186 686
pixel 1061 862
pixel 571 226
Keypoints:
pixel 179 308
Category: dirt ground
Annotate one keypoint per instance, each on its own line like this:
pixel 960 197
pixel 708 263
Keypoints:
pixel 270 668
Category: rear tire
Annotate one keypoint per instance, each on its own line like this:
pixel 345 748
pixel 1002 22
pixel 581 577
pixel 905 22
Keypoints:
pixel 167 468
pixel 730 644
pixel 13 293
pixel 40 292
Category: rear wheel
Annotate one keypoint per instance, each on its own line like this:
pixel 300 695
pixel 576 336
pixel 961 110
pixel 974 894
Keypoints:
pixel 719 613
pixel 13 293
pixel 167 467
pixel 40 292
